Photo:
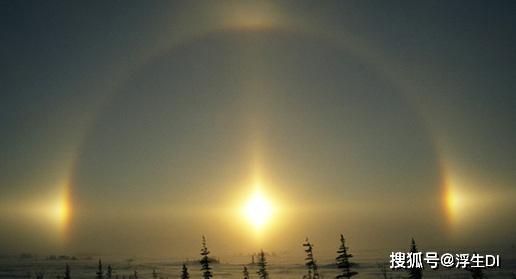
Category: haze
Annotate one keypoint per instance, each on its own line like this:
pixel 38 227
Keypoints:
pixel 135 128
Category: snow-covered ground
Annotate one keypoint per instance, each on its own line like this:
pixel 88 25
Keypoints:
pixel 15 267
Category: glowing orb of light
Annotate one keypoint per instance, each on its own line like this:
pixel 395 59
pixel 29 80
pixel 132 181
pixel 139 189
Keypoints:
pixel 258 210
pixel 61 210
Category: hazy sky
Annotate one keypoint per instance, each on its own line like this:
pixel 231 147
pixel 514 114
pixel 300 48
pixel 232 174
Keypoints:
pixel 134 128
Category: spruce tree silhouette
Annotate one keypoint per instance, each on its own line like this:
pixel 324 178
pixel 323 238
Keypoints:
pixel 414 273
pixel 310 263
pixel 343 262
pixel 67 272
pixel 184 272
pixel 245 272
pixel 383 270
pixel 154 274
pixel 477 272
pixel 262 266
pixel 100 273
pixel 109 272
pixel 205 261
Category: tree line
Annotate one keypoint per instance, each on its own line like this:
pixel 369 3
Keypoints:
pixel 342 261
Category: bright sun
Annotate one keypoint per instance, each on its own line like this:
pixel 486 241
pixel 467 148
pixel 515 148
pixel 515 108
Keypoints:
pixel 257 210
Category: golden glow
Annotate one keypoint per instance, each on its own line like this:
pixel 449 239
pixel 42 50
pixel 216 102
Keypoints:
pixel 466 201
pixel 461 201
pixel 50 213
pixel 454 203
pixel 251 15
pixel 458 200
pixel 61 210
pixel 258 210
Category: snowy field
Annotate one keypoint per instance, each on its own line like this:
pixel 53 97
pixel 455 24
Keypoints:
pixel 16 267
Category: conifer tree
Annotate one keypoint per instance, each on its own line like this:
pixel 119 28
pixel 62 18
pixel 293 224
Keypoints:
pixel 184 272
pixel 343 262
pixel 262 266
pixel 414 273
pixel 245 272
pixel 100 273
pixel 310 263
pixel 67 272
pixel 476 272
pixel 205 261
pixel 109 272
pixel 383 270
pixel 154 274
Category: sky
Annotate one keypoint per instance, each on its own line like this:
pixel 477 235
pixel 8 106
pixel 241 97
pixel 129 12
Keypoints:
pixel 134 128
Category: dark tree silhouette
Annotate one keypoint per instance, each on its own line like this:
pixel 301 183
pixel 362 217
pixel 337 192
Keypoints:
pixel 39 275
pixel 310 263
pixel 477 272
pixel 154 274
pixel 383 270
pixel 262 266
pixel 343 262
pixel 205 260
pixel 109 272
pixel 100 273
pixel 67 272
pixel 135 276
pixel 184 272
pixel 414 273
pixel 245 272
